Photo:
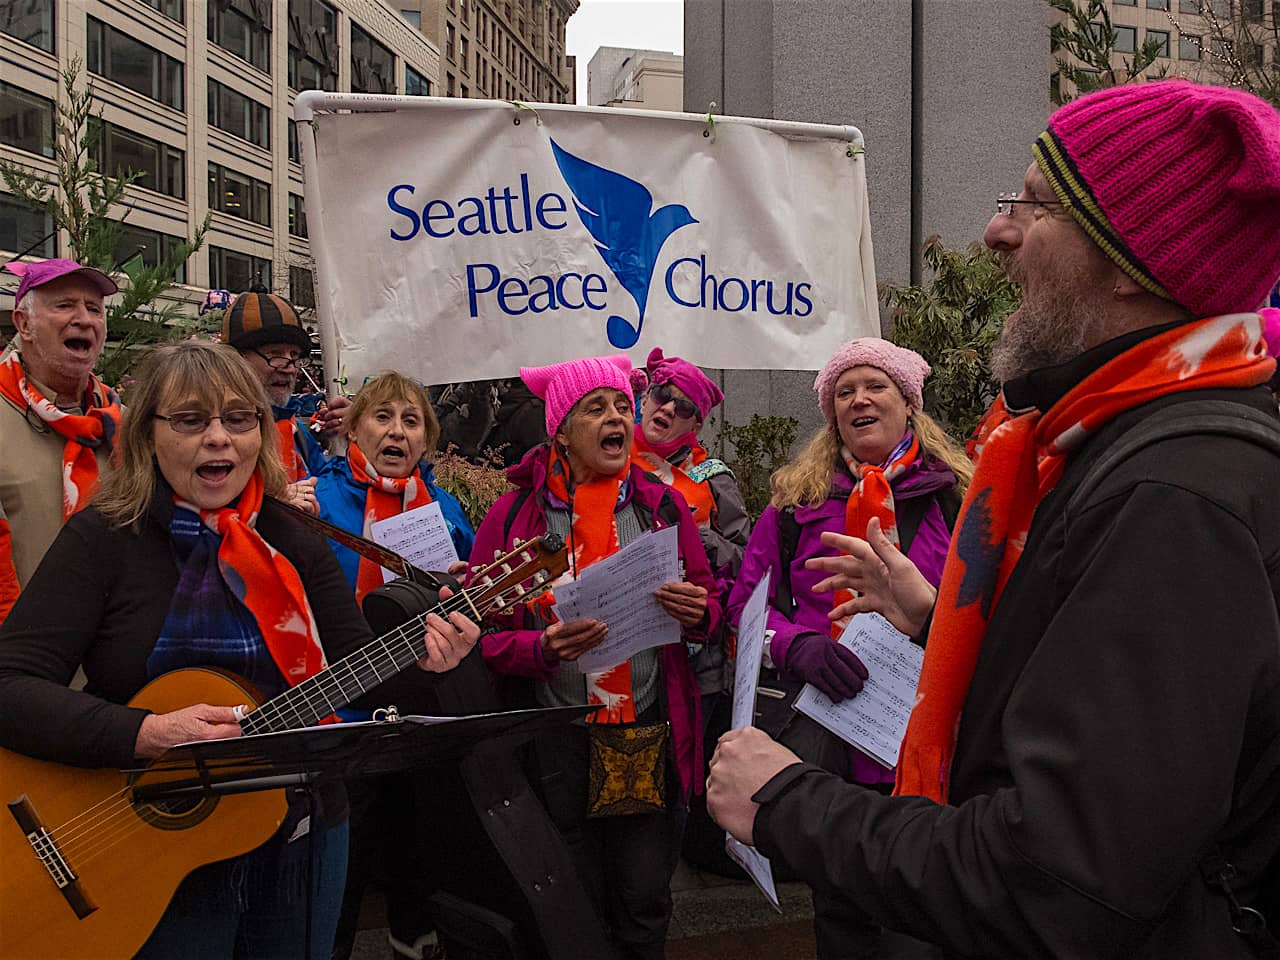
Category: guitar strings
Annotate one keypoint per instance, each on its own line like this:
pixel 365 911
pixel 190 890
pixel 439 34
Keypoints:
pixel 96 820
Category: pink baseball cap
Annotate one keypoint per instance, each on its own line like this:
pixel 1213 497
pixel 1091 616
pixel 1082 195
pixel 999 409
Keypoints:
pixel 46 271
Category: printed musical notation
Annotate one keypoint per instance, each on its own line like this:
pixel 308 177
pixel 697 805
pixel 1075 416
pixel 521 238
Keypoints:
pixel 875 720
pixel 619 590
pixel 419 535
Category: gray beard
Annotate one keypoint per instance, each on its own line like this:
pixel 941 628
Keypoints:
pixel 1049 330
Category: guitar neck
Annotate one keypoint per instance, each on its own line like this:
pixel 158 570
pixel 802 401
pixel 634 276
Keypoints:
pixel 336 686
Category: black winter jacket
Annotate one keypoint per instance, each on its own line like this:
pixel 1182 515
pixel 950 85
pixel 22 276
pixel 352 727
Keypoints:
pixel 1123 719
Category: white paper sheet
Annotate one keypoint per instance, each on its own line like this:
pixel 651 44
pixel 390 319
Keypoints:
pixel 619 590
pixel 875 720
pixel 746 677
pixel 419 535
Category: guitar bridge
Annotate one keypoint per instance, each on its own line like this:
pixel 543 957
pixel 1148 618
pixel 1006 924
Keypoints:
pixel 50 857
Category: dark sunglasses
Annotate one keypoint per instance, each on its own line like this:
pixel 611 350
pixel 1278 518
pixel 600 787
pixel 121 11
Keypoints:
pixel 661 394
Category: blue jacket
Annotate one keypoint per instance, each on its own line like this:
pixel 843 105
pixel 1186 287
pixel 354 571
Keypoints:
pixel 309 448
pixel 342 503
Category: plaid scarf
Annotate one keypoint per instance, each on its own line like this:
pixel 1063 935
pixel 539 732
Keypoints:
pixel 872 496
pixel 594 536
pixel 84 433
pixel 652 458
pixel 384 497
pixel 236 595
pixel 1023 457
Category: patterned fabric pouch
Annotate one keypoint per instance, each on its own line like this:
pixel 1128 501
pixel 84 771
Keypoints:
pixel 627 768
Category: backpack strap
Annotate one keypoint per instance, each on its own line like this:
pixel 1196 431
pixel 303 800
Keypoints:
pixel 1193 418
pixel 521 496
pixel 788 540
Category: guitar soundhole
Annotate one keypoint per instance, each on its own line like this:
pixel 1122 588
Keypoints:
pixel 178 813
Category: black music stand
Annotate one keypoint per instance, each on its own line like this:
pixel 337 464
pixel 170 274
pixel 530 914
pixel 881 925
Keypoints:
pixel 303 759
pixel 311 755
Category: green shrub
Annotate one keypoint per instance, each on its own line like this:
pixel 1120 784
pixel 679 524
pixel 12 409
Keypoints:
pixel 760 447
pixel 477 486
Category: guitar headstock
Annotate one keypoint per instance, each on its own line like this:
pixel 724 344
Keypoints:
pixel 520 575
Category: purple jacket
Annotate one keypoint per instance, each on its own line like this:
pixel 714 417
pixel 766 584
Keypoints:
pixel 517 651
pixel 928 551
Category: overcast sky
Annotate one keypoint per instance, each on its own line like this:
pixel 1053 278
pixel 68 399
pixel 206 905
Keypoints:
pixel 642 24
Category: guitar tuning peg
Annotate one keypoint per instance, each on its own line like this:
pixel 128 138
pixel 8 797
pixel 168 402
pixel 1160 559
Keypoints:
pixel 520 590
pixel 526 556
pixel 497 554
pixel 506 568
pixel 486 581
pixel 541 577
pixel 499 603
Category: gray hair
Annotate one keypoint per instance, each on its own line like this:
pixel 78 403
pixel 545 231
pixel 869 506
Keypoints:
pixel 28 301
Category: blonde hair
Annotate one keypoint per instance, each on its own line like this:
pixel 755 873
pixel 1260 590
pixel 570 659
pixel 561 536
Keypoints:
pixel 388 386
pixel 175 373
pixel 806 481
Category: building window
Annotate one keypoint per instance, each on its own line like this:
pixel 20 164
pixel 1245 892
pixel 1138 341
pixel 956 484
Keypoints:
pixel 413 18
pixel 295 150
pixel 1189 6
pixel 1252 10
pixel 1189 47
pixel 173 9
pixel 449 50
pixel 161 168
pixel 297 216
pixel 30 21
pixel 415 84
pixel 1126 39
pixel 466 91
pixel 236 271
pixel 151 245
pixel 302 290
pixel 26 120
pixel 451 89
pixel 235 29
pixel 133 64
pixel 25 230
pixel 242 116
pixel 373 66
pixel 1161 37
pixel 1157 4
pixel 239 195
pixel 1255 55
pixel 313 45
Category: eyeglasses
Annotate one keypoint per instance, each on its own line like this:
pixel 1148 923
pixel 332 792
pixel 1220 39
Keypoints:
pixel 1007 203
pixel 279 363
pixel 661 394
pixel 233 421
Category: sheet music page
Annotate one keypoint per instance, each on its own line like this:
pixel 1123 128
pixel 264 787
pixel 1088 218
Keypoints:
pixel 419 535
pixel 619 590
pixel 746 677
pixel 875 720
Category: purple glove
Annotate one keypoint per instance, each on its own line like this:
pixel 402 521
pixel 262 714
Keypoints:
pixel 832 668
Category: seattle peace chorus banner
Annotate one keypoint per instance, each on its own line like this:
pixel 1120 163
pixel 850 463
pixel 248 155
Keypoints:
pixel 455 244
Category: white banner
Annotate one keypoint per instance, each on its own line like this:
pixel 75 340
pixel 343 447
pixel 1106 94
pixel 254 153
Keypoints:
pixel 454 243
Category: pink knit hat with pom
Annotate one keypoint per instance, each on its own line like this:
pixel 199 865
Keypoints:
pixel 693 383
pixel 1178 183
pixel 906 368
pixel 561 385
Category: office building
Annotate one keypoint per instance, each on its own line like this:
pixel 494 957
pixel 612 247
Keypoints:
pixel 639 79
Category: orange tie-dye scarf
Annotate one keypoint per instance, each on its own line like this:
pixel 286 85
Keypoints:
pixel 295 468
pixel 696 494
pixel 872 497
pixel 84 434
pixel 384 497
pixel 1022 460
pixel 266 582
pixel 593 536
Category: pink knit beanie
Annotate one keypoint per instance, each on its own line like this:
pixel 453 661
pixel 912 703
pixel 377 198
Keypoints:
pixel 906 368
pixel 695 384
pixel 1178 183
pixel 562 385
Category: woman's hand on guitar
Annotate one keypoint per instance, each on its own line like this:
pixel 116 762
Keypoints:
pixel 447 641
pixel 160 731
pixel 684 601
pixel 569 641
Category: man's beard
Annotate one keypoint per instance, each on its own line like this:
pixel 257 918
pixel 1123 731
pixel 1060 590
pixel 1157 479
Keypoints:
pixel 1051 327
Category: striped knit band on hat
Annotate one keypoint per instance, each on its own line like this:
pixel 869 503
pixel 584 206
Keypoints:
pixel 1056 165
pixel 1178 183
pixel 258 317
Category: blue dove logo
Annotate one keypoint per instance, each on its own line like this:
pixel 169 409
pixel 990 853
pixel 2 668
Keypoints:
pixel 618 213
pixel 981 557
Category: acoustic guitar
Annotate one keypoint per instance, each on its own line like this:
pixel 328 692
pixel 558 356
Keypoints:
pixel 90 858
